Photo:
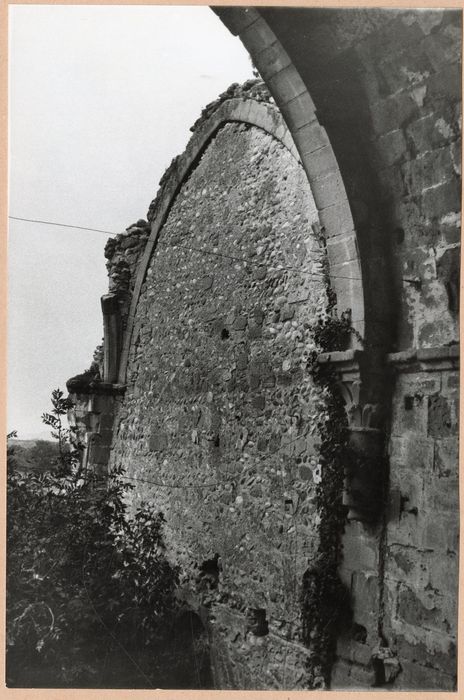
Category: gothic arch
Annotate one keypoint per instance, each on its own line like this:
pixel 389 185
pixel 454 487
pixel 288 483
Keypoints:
pixel 327 189
pixel 316 154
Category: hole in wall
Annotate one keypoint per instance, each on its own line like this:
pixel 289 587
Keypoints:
pixel 225 334
pixel 379 672
pixel 452 291
pixel 408 403
pixel 209 572
pixel 256 622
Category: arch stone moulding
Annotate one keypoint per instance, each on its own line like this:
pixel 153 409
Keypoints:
pixel 362 373
pixel 316 154
pixel 266 117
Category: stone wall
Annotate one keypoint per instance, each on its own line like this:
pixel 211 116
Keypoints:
pixel 218 426
pixel 386 87
pixel 421 546
pixel 218 420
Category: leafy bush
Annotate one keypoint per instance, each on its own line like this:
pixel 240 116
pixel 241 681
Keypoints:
pixel 90 593
pixel 81 576
pixel 68 446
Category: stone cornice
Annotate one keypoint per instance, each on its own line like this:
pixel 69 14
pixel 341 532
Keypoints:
pixel 425 359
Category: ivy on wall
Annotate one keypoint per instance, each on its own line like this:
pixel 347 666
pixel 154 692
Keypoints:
pixel 325 601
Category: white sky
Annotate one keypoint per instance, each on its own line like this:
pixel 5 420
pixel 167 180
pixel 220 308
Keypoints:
pixel 101 100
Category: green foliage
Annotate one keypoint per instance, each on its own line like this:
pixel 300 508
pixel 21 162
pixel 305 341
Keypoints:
pixel 81 575
pixel 332 333
pixel 325 603
pixel 85 581
pixel 68 448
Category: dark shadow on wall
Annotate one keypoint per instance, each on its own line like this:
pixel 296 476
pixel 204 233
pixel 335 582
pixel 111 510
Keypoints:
pixel 188 648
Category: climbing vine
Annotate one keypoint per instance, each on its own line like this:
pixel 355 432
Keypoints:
pixel 325 604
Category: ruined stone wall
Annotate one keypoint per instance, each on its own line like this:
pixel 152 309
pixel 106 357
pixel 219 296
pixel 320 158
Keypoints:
pixel 422 538
pixel 218 424
pixel 385 85
pixel 218 419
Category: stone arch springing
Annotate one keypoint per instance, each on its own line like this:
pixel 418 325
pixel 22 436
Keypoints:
pixel 361 370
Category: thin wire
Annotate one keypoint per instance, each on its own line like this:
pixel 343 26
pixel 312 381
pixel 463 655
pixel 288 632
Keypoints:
pixel 205 251
pixel 54 223
pixel 276 268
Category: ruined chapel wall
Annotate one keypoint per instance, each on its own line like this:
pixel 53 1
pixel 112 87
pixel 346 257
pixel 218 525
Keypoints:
pixel 386 87
pixel 218 423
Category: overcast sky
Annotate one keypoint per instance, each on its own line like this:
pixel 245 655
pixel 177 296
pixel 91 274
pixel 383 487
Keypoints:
pixel 101 100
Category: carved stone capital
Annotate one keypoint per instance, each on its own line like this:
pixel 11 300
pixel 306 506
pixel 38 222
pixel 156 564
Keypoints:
pixel 361 384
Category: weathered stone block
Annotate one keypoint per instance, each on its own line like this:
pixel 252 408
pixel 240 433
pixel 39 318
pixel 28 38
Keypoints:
pixel 340 675
pixel 443 570
pixel 421 611
pixel 286 84
pixel 365 597
pixel 99 454
pixel 442 416
pixel 392 183
pixel 391 148
pixel 337 219
pixel 441 534
pixel 410 412
pixel 431 658
pixel 428 171
pixel 360 553
pixel 405 69
pixel 415 676
pixel 443 48
pixel 271 59
pixel 447 457
pixel 390 113
pixel 413 452
pixel 442 199
pixel 310 138
pixel 407 565
pixel 361 677
pixel 342 248
pixel 352 650
pixel 431 131
pixel 410 483
pixel 443 495
pixel 445 83
pixel 299 111
pixel 408 529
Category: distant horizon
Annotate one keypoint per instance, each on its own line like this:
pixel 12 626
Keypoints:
pixel 31 437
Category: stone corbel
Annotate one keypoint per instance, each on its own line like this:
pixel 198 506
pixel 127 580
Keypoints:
pixel 361 386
